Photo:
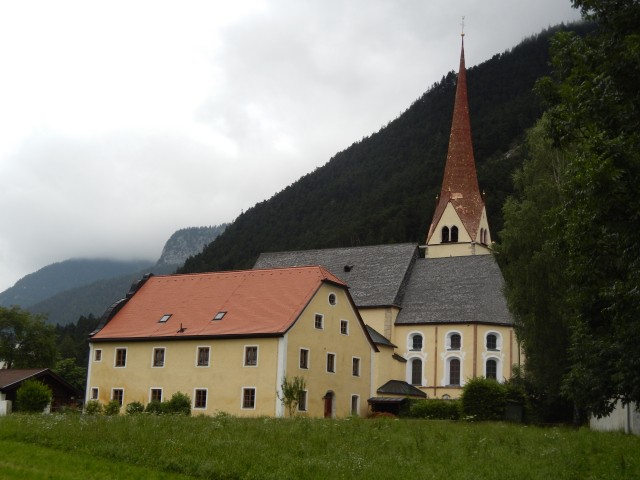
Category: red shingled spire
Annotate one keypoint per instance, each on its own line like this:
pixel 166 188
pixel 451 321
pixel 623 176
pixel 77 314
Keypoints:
pixel 460 183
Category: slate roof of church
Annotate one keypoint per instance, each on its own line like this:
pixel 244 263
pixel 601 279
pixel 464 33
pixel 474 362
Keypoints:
pixel 376 275
pixel 254 302
pixel 455 290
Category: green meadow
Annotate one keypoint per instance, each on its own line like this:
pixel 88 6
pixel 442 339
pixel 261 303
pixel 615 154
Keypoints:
pixel 223 447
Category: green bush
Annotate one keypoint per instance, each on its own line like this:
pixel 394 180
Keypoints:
pixel 93 407
pixel 180 403
pixel 435 409
pixel 112 408
pixel 134 408
pixel 33 396
pixel 484 399
pixel 155 407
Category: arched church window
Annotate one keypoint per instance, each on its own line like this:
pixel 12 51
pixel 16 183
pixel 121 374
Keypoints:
pixel 492 369
pixel 416 371
pixel 455 341
pixel 445 234
pixel 454 371
pixel 416 342
pixel 454 234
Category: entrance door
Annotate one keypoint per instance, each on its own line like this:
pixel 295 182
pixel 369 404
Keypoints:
pixel 328 404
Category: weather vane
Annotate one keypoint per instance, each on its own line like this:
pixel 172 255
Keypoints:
pixel 462 25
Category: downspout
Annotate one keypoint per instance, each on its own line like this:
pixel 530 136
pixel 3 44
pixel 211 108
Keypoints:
pixel 475 349
pixel 435 367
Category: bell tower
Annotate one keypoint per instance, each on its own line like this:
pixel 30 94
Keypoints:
pixel 459 226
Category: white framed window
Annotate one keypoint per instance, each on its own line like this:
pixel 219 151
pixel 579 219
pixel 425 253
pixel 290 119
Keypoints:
pixel 97 355
pixel 344 327
pixel 415 371
pixel 251 356
pixel 200 398
pixel 355 366
pixel 453 340
pixel 203 356
pixel 355 404
pixel 120 357
pixel 304 358
pixel 155 394
pixel 454 371
pixel 331 363
pixel 157 360
pixel 95 393
pixel 333 300
pixel 118 395
pixel 493 341
pixel 318 321
pixel 415 342
pixel 248 398
pixel 302 401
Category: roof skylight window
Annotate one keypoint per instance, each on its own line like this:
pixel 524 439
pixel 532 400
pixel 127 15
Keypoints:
pixel 219 315
pixel 165 317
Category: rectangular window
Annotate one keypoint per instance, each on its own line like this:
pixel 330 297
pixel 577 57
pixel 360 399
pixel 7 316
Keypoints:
pixel 94 393
pixel 355 404
pixel 97 355
pixel 200 398
pixel 249 398
pixel 302 401
pixel 203 357
pixel 304 358
pixel 118 395
pixel 344 327
pixel 251 356
pixel 121 357
pixel 355 367
pixel 319 322
pixel 158 357
pixel 331 362
pixel 156 395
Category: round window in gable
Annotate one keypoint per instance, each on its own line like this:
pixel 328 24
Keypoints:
pixel 332 299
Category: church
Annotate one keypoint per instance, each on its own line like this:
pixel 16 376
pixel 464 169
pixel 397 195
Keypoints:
pixel 440 305
pixel 366 327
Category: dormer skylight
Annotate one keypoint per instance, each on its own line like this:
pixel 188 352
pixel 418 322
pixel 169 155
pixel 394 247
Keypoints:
pixel 219 315
pixel 165 317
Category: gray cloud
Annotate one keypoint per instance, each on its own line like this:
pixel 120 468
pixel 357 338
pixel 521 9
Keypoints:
pixel 121 128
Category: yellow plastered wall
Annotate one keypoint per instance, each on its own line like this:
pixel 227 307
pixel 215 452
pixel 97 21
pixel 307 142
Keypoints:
pixel 381 319
pixel 473 354
pixel 224 378
pixel 329 339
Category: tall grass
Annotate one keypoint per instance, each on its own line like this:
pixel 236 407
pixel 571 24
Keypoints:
pixel 229 448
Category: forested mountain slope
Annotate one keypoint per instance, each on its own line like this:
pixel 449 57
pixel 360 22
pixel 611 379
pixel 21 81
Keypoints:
pixel 61 276
pixel 382 189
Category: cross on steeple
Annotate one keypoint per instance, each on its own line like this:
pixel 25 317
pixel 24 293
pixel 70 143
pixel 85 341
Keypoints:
pixel 462 25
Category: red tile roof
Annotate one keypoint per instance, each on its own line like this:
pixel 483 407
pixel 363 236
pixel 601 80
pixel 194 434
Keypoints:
pixel 460 183
pixel 256 302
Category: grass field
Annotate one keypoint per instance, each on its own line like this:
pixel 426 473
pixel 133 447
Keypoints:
pixel 74 446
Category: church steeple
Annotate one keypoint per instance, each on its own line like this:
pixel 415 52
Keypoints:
pixel 460 215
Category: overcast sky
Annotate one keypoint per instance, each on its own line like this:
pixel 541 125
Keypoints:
pixel 121 122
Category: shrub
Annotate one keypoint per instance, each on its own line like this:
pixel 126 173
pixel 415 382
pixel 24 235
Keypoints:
pixel 134 408
pixel 179 403
pixel 484 399
pixel 93 407
pixel 435 409
pixel 33 396
pixel 155 407
pixel 112 408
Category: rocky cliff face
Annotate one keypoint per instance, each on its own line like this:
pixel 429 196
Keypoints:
pixel 188 242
